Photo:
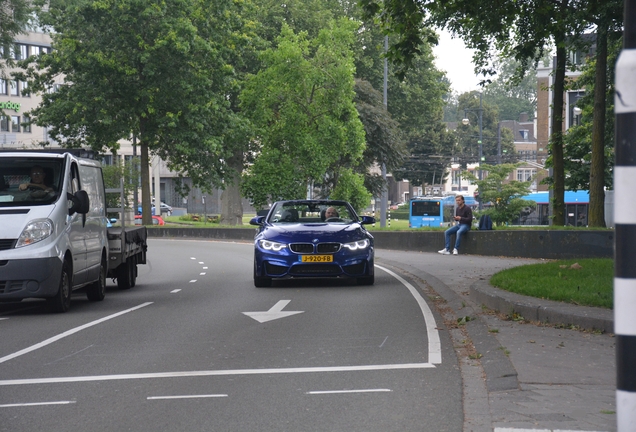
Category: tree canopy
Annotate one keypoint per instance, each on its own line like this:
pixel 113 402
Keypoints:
pixel 302 106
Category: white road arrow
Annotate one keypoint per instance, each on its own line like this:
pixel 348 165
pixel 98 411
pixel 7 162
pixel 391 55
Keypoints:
pixel 274 313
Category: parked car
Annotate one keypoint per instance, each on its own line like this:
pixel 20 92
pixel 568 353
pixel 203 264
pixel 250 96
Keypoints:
pixel 156 220
pixel 312 238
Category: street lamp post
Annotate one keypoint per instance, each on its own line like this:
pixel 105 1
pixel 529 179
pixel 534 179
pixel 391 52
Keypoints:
pixel 466 121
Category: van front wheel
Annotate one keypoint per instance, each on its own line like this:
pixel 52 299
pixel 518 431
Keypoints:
pixel 97 290
pixel 62 300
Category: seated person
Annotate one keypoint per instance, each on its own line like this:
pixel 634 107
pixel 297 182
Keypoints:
pixel 37 184
pixel 38 176
pixel 330 212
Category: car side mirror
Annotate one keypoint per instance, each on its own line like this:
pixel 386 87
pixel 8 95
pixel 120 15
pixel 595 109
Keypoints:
pixel 80 202
pixel 258 220
pixel 367 220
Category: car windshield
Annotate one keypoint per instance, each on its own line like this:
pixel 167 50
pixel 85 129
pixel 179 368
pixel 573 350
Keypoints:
pixel 335 212
pixel 28 181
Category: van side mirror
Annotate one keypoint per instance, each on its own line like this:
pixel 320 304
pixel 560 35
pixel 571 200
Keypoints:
pixel 80 202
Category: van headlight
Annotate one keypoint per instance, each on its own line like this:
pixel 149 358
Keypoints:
pixel 360 244
pixel 35 231
pixel 271 246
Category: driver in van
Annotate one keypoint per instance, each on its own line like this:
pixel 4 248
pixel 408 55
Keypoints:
pixel 38 175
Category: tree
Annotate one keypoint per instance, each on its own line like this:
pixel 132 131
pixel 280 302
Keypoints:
pixel 511 96
pixel 578 141
pixel 500 194
pixel 301 105
pixel 518 29
pixel 14 20
pixel 468 135
pixel 155 71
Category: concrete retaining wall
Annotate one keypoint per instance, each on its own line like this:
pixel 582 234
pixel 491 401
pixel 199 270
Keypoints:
pixel 524 244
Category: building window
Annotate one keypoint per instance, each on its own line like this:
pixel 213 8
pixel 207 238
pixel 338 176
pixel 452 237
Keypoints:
pixel 107 160
pixel 24 52
pixel 15 123
pixel 26 126
pixel 23 87
pixel 3 87
pixel 13 88
pixel 4 124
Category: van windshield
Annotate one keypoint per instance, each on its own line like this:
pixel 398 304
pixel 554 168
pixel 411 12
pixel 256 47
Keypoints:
pixel 28 181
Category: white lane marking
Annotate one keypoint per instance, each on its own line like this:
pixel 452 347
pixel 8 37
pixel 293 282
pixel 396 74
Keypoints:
pixel 202 274
pixel 275 312
pixel 201 262
pixel 193 258
pixel 383 342
pixel 204 268
pixel 175 291
pixel 3 319
pixel 69 332
pixel 434 344
pixel 36 404
pixel 348 391
pixel 362 368
pixel 186 397
pixel 193 281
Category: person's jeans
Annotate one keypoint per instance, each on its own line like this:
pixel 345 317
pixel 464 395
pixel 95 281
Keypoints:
pixel 459 229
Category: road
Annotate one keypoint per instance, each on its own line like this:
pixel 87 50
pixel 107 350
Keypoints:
pixel 195 347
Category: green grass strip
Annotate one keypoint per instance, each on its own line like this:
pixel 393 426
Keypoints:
pixel 589 285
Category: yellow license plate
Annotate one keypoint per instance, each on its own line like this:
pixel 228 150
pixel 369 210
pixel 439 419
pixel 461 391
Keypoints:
pixel 316 258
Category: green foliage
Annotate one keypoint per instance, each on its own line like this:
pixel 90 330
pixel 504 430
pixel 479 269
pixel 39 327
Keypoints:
pixel 14 20
pixel 510 95
pixel 350 187
pixel 501 195
pixel 578 140
pixel 158 71
pixel 301 106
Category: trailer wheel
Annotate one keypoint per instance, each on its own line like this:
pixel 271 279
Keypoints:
pixel 124 281
pixel 62 300
pixel 97 290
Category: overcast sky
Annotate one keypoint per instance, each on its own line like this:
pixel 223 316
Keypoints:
pixel 453 57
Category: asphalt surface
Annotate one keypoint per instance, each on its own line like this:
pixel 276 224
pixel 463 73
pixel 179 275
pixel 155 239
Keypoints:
pixel 533 365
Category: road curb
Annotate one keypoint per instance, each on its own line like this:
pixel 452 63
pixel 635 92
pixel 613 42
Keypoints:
pixel 546 311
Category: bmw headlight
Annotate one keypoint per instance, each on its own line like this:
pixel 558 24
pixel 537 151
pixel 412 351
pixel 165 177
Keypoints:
pixel 271 246
pixel 35 231
pixel 360 244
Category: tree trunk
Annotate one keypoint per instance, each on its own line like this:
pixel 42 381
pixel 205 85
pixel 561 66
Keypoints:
pixel 232 206
pixel 556 137
pixel 596 211
pixel 146 210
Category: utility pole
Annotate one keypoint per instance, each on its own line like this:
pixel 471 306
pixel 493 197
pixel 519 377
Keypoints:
pixel 625 218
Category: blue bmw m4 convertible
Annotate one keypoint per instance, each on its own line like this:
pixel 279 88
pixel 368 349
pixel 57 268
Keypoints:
pixel 312 238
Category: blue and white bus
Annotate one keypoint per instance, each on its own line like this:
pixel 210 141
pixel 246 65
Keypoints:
pixel 576 209
pixel 434 211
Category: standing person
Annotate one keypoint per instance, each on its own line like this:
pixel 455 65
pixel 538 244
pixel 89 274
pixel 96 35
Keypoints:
pixel 464 220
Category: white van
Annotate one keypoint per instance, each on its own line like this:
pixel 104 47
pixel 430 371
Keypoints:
pixel 53 236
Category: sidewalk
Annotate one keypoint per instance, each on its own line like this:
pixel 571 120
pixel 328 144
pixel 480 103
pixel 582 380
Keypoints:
pixel 518 376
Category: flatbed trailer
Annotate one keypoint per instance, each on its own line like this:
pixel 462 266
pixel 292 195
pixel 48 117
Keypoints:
pixel 127 247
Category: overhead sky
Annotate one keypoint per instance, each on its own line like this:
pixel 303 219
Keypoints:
pixel 453 57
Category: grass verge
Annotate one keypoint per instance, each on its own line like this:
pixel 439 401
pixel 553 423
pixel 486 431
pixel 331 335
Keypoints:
pixel 586 282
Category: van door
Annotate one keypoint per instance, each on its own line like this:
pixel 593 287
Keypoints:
pixel 76 229
pixel 95 228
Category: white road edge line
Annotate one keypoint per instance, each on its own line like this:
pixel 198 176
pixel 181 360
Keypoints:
pixel 434 344
pixel 347 391
pixel 68 333
pixel 94 378
pixel 36 404
pixel 186 397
